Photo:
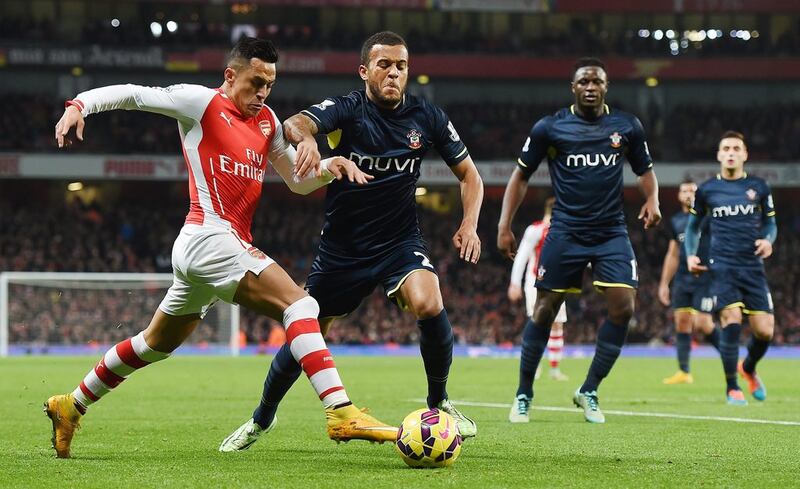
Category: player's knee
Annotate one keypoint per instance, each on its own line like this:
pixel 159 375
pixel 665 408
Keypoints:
pixel 305 308
pixel 544 312
pixel 730 316
pixel 427 308
pixel 621 313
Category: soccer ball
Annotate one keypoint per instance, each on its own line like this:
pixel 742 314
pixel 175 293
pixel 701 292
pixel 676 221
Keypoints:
pixel 428 438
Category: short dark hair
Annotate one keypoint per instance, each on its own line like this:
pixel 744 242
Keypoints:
pixel 251 47
pixel 733 134
pixel 587 61
pixel 387 38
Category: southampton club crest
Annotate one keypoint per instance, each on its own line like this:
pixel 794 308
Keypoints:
pixel 413 139
pixel 751 194
pixel 540 273
pixel 266 128
pixel 616 140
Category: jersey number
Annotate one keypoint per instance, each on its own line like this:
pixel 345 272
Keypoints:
pixel 527 145
pixel 634 274
pixel 425 261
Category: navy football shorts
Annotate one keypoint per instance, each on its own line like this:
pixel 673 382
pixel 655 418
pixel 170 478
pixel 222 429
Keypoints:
pixel 745 288
pixel 339 284
pixel 566 254
pixel 690 293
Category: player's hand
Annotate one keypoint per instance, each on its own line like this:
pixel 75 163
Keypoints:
pixel 693 263
pixel 341 167
pixel 663 294
pixel 467 243
pixel 763 248
pixel 307 159
pixel 507 243
pixel 650 214
pixel 514 293
pixel 72 117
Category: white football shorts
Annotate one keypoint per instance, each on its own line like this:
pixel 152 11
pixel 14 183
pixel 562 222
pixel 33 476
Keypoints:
pixel 530 300
pixel 207 264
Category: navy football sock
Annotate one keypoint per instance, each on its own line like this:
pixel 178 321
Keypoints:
pixel 436 346
pixel 534 342
pixel 283 372
pixel 610 338
pixel 714 337
pixel 683 343
pixel 729 351
pixel 756 349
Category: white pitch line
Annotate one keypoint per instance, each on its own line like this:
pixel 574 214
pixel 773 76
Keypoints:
pixel 629 413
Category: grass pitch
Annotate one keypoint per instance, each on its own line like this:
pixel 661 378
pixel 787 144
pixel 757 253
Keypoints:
pixel 162 427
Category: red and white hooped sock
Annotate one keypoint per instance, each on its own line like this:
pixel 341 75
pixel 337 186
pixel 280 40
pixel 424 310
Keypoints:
pixel 117 364
pixel 309 349
pixel 555 346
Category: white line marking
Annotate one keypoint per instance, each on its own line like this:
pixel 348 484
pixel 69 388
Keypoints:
pixel 628 413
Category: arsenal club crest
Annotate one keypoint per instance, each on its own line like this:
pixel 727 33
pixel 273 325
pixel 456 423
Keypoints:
pixel 266 128
pixel 256 253
pixel 413 139
pixel 751 194
pixel 616 140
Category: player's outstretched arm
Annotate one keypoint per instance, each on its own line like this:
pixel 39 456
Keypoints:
pixel 300 131
pixel 466 239
pixel 650 212
pixel 181 102
pixel 668 270
pixel 515 191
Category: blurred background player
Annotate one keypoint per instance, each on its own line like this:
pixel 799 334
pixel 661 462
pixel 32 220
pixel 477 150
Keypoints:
pixel 525 263
pixel 690 299
pixel 231 129
pixel 743 229
pixel 371 235
pixel 585 145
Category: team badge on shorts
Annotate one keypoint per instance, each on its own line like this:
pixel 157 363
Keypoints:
pixel 266 128
pixel 616 140
pixel 540 273
pixel 413 139
pixel 256 253
pixel 751 194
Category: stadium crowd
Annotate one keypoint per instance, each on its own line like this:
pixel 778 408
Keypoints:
pixel 307 31
pixel 135 235
pixel 492 132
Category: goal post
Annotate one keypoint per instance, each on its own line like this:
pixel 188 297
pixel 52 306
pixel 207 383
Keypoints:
pixel 76 312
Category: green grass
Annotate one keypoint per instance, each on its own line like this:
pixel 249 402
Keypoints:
pixel 163 426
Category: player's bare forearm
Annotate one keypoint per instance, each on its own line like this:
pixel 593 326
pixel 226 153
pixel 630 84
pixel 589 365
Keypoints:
pixel 671 262
pixel 466 239
pixel 650 213
pixel 515 191
pixel 299 127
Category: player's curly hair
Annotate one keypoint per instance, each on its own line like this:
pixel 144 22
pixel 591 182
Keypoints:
pixel 588 61
pixel 252 47
pixel 387 38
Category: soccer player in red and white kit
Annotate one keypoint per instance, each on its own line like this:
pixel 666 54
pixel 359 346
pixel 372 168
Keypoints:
pixel 228 136
pixel 526 262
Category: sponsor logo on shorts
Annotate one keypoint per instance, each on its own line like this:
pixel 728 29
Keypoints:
pixel 256 253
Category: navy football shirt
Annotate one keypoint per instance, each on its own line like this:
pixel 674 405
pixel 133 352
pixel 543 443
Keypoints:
pixel 678 229
pixel 585 158
pixel 737 210
pixel 367 220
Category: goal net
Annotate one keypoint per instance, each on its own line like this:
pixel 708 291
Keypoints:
pixel 82 313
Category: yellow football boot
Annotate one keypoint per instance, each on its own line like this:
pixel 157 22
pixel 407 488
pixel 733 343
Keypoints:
pixel 66 419
pixel 350 423
pixel 680 377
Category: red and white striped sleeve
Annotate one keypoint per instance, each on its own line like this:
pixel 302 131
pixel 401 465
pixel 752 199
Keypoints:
pixel 182 102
